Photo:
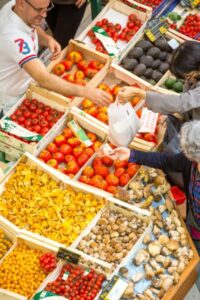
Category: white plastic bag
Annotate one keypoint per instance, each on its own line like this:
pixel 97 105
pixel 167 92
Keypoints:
pixel 123 123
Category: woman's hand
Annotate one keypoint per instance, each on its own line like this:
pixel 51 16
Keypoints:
pixel 121 153
pixel 80 3
pixel 54 47
pixel 126 94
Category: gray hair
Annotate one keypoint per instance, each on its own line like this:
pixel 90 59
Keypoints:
pixel 190 140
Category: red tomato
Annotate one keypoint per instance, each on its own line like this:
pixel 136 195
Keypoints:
pixel 82 159
pixel 59 157
pixel 65 149
pixel 45 155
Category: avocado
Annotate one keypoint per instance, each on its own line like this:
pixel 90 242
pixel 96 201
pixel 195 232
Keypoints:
pixel 163 67
pixel 152 81
pixel 162 44
pixel 148 73
pixel 130 64
pixel 169 58
pixel 157 75
pixel 136 52
pixel 156 64
pixel 145 45
pixel 146 60
pixel 139 70
pixel 163 55
pixel 169 83
pixel 125 60
pixel 178 87
pixel 154 52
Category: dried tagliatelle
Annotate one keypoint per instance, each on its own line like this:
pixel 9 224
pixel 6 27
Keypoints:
pixel 32 200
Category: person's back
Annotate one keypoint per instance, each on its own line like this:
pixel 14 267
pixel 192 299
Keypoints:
pixel 18 44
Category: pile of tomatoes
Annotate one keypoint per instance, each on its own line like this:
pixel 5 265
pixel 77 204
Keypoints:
pixel 35 116
pixel 150 3
pixel 106 174
pixel 83 69
pixel 101 112
pixel 67 154
pixel 115 31
pixel 191 26
pixel 75 283
pixel 48 262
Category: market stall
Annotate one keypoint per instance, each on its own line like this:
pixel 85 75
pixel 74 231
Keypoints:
pixel 74 226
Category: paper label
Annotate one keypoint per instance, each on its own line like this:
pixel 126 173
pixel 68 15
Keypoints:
pixel 190 3
pixel 148 121
pixel 47 296
pixel 9 126
pixel 79 133
pixel 65 275
pixel 173 43
pixel 114 289
pixel 108 43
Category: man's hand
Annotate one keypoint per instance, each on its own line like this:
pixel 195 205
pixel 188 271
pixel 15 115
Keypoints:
pixel 80 3
pixel 98 96
pixel 54 47
pixel 127 93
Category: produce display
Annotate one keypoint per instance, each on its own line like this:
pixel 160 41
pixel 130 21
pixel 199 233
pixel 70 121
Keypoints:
pixel 74 68
pixel 5 243
pixel 151 3
pixel 113 236
pixel 150 61
pixel 20 271
pixel 174 84
pixel 147 186
pixel 35 116
pixel 115 31
pixel 106 174
pixel 165 252
pixel 189 26
pixel 76 282
pixel 33 200
pixel 101 112
pixel 66 152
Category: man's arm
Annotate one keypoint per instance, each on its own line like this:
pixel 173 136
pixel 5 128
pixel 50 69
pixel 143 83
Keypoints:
pixel 36 69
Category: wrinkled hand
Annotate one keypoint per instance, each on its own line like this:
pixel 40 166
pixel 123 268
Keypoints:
pixel 126 94
pixel 54 47
pixel 80 3
pixel 98 96
pixel 121 153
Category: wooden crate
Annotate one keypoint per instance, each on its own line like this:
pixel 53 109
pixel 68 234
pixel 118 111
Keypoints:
pixel 85 123
pixel 140 144
pixel 15 147
pixel 88 54
pixel 183 12
pixel 33 244
pixel 29 159
pixel 156 9
pixel 134 211
pixel 190 274
pixel 114 75
pixel 117 12
pixel 169 35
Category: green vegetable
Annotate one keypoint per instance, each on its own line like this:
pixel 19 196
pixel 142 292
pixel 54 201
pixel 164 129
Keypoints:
pixel 174 16
pixel 178 87
pixel 169 83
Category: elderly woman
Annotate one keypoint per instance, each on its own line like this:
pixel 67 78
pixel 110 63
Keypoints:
pixel 187 162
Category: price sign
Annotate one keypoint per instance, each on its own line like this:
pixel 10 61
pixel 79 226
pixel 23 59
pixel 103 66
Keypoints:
pixel 155 28
pixel 68 255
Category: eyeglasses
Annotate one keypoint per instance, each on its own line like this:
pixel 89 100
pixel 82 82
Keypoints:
pixel 41 10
